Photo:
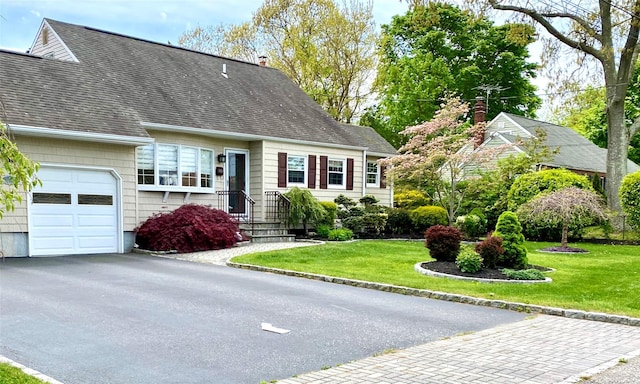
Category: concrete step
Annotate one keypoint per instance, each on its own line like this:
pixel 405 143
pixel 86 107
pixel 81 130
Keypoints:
pixel 258 239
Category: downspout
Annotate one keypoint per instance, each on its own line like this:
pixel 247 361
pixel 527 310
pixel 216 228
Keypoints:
pixel 364 172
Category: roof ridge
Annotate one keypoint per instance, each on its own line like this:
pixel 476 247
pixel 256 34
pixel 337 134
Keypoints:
pixel 154 42
pixel 534 120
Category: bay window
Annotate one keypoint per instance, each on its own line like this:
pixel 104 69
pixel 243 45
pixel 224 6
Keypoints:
pixel 162 166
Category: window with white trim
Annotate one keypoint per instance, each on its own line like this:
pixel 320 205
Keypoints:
pixel 174 166
pixel 336 172
pixel 373 174
pixel 296 166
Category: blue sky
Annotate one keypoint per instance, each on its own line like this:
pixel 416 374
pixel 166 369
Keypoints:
pixel 155 20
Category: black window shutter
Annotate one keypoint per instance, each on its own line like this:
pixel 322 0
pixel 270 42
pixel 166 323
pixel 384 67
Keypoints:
pixel 324 174
pixel 349 174
pixel 311 182
pixel 282 169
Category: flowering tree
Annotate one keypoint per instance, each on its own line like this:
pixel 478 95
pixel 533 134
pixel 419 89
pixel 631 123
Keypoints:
pixel 571 206
pixel 437 152
pixel 16 170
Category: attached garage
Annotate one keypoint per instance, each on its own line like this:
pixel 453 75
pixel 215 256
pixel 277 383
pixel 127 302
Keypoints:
pixel 75 211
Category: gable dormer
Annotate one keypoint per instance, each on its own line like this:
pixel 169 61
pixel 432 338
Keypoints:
pixel 49 45
pixel 505 125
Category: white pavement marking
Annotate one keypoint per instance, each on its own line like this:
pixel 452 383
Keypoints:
pixel 270 328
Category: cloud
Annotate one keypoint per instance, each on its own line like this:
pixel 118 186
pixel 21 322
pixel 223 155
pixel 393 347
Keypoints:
pixel 35 13
pixel 163 15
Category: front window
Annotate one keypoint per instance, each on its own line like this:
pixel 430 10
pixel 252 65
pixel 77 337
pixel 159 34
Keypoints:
pixel 336 172
pixel 171 165
pixel 295 169
pixel 372 173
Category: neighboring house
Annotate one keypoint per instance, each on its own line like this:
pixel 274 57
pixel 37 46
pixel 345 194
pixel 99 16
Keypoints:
pixel 125 128
pixel 575 152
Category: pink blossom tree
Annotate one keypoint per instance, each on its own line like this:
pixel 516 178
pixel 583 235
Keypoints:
pixel 570 206
pixel 439 151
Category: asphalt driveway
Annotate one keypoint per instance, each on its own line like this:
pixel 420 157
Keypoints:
pixel 139 319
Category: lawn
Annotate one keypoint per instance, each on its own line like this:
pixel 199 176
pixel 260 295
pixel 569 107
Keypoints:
pixel 12 375
pixel 607 279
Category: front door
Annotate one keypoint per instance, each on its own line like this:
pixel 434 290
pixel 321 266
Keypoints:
pixel 237 177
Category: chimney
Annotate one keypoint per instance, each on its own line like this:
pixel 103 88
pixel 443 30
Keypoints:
pixel 479 113
pixel 262 60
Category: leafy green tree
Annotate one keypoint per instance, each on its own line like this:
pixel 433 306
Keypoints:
pixel 436 50
pixel 530 185
pixel 325 48
pixel 630 198
pixel 17 172
pixel 305 208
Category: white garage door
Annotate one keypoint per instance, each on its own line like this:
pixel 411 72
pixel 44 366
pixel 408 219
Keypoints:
pixel 74 212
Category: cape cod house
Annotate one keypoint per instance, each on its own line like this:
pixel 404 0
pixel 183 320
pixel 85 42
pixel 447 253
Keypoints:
pixel 125 128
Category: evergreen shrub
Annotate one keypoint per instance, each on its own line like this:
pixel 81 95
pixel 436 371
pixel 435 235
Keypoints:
pixel 630 198
pixel 510 230
pixel 468 261
pixel 427 216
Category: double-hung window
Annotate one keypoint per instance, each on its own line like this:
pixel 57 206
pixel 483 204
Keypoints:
pixel 296 166
pixel 170 166
pixel 373 174
pixel 336 173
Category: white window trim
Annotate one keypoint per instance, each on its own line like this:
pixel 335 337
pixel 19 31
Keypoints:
pixel 305 169
pixel 344 174
pixel 367 173
pixel 178 188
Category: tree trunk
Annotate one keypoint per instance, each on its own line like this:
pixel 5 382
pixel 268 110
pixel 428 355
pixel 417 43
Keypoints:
pixel 565 234
pixel 617 152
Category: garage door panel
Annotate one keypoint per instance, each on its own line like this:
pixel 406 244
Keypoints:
pixel 75 211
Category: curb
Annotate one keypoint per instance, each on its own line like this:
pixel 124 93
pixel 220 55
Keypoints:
pixel 418 268
pixel 29 371
pixel 500 304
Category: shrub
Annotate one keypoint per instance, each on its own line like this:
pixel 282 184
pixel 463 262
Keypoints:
pixel 368 219
pixel 305 208
pixel 490 249
pixel 468 261
pixel 529 185
pixel 427 216
pixel 443 242
pixel 344 201
pixel 368 200
pixel 524 274
pixel 510 230
pixel 472 226
pixel 189 228
pixel 410 199
pixel 322 230
pixel 398 222
pixel 630 198
pixel 340 234
pixel 330 212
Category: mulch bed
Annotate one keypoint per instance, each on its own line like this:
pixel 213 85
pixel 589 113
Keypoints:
pixel 564 250
pixel 451 268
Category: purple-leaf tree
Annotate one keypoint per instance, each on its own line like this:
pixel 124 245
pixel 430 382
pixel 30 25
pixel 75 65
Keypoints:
pixel 439 151
pixel 571 206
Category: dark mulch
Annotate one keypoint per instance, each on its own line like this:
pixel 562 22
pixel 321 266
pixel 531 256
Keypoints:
pixel 451 268
pixel 564 250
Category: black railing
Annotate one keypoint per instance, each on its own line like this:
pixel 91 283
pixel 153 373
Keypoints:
pixel 277 207
pixel 239 205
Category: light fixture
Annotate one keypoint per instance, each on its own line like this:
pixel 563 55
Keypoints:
pixel 222 158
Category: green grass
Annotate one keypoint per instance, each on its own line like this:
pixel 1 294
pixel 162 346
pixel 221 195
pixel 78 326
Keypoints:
pixel 605 280
pixel 12 375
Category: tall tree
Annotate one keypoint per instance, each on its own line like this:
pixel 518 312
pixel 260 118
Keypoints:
pixel 324 48
pixel 438 49
pixel 607 33
pixel 17 172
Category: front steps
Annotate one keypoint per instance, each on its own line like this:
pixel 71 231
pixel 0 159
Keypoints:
pixel 268 232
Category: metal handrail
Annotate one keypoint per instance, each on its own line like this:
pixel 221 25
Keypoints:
pixel 239 198
pixel 277 207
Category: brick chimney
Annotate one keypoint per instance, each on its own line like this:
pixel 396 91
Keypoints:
pixel 479 113
pixel 262 60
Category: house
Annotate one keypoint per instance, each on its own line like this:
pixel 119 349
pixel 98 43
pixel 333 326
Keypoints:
pixel 125 128
pixel 574 152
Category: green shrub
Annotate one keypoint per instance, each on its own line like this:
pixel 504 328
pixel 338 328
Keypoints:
pixel 330 212
pixel 468 261
pixel 368 200
pixel 472 226
pixel 443 242
pixel 490 249
pixel 510 230
pixel 344 202
pixel 410 199
pixel 630 198
pixel 322 230
pixel 427 216
pixel 529 185
pixel 367 220
pixel 524 274
pixel 305 208
pixel 398 222
pixel 340 234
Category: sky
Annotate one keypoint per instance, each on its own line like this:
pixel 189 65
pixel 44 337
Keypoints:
pixel 156 20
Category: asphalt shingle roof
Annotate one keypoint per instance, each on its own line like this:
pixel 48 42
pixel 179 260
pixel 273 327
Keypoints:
pixel 121 81
pixel 576 151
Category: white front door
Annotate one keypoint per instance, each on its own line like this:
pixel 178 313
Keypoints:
pixel 76 211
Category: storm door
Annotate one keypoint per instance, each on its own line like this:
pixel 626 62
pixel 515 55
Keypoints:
pixel 237 180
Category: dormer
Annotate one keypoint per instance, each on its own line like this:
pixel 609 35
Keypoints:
pixel 49 45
